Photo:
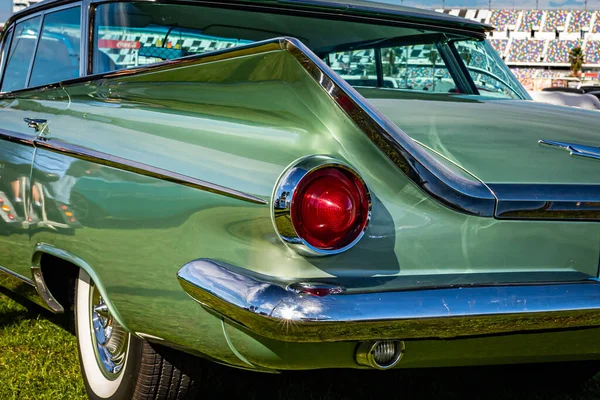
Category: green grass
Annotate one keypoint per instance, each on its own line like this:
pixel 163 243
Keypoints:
pixel 38 356
pixel 38 360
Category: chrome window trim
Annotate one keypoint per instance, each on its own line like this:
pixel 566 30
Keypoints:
pixel 7 36
pixel 83 43
pixel 14 26
pixel 268 308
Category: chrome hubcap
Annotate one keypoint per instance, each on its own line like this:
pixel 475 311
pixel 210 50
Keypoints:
pixel 110 339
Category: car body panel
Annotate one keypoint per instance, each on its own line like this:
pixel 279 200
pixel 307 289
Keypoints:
pixel 258 137
pixel 496 140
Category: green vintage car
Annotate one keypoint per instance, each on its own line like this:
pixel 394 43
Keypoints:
pixel 290 185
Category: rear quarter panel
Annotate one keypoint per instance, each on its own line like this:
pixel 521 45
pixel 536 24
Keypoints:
pixel 239 122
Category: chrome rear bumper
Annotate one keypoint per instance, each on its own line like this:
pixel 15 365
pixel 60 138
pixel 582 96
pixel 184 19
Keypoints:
pixel 272 309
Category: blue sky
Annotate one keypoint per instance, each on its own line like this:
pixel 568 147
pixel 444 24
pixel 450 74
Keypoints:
pixel 6 5
pixel 5 9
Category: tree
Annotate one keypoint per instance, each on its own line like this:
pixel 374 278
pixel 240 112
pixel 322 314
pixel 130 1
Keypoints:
pixel 576 60
pixel 433 58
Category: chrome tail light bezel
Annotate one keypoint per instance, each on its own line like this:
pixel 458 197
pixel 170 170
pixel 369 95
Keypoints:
pixel 284 192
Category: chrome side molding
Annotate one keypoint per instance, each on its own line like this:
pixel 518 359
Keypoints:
pixel 547 202
pixel 269 308
pixel 83 153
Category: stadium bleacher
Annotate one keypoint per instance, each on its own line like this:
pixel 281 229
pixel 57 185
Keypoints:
pixel 558 50
pixel 502 19
pixel 499 45
pixel 555 20
pixel 592 52
pixel 580 20
pixel 526 50
pixel 532 19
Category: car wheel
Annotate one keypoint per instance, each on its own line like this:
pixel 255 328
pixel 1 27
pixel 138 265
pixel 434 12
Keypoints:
pixel 115 364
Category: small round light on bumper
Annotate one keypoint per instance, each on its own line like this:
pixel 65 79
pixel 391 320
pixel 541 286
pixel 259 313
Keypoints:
pixel 380 354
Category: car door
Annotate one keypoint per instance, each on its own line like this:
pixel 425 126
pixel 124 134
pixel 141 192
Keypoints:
pixel 39 51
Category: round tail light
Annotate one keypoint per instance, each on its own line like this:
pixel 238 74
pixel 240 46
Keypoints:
pixel 326 203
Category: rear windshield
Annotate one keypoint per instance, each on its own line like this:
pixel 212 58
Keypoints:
pixel 128 35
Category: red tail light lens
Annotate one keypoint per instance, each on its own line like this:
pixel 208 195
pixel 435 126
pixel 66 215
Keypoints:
pixel 330 208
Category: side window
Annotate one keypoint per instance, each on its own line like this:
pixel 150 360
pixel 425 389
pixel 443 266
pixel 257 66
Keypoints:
pixel 135 34
pixel 57 56
pixel 417 67
pixel 20 54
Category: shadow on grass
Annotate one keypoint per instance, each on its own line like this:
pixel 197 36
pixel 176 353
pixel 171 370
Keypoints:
pixel 32 311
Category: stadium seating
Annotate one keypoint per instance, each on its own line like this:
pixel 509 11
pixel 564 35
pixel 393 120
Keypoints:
pixel 558 50
pixel 592 52
pixel 501 19
pixel 555 19
pixel 499 45
pixel 525 50
pixel 531 19
pixel 579 20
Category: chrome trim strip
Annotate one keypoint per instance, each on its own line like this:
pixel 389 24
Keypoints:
pixel 14 275
pixel 547 201
pixel 108 160
pixel 17 137
pixel 574 149
pixel 266 308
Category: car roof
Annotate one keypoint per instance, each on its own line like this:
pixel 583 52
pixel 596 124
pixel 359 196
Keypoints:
pixel 357 8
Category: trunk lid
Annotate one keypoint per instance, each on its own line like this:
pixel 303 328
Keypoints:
pixel 496 140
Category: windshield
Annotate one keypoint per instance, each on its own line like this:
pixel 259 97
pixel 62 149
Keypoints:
pixel 395 57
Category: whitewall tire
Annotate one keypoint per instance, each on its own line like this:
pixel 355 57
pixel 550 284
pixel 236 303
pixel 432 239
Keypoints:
pixel 115 364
